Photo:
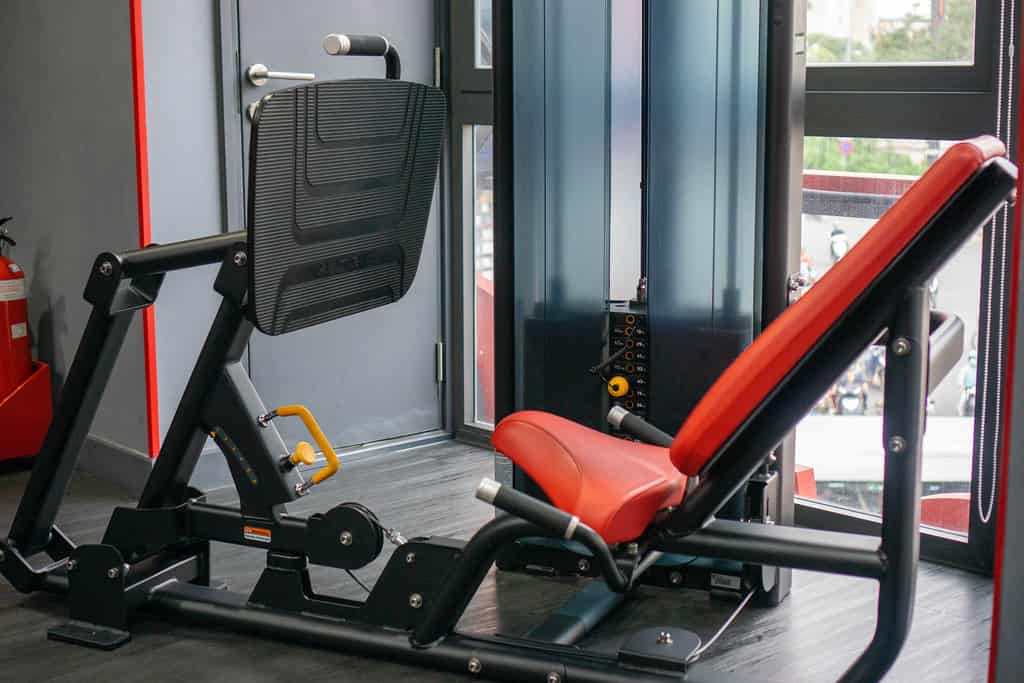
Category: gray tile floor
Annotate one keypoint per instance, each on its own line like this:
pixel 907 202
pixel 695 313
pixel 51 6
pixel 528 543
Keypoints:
pixel 811 637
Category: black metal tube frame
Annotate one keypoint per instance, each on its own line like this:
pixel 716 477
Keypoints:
pixel 178 256
pixel 892 562
pixel 118 285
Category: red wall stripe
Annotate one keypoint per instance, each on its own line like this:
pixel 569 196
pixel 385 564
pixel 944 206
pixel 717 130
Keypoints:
pixel 145 232
pixel 1011 354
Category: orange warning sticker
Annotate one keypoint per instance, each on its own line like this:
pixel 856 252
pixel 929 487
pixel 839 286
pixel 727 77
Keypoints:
pixel 255 533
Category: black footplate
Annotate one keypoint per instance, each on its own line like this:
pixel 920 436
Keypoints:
pixel 89 635
pixel 665 648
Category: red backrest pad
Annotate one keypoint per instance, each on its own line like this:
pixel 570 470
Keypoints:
pixel 766 362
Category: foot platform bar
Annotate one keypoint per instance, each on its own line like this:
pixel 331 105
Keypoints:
pixel 825 551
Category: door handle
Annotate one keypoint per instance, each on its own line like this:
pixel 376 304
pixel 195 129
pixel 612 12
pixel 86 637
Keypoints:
pixel 259 74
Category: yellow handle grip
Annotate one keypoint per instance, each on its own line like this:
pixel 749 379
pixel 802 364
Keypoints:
pixel 331 468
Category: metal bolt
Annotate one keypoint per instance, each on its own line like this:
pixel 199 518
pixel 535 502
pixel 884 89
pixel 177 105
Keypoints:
pixel 675 578
pixel 901 346
pixel 583 565
pixel 415 601
pixel 113 573
pixel 632 549
pixel 346 537
pixel 664 638
pixel 474 665
pixel 106 268
pixel 553 677
pixel 897 444
pixel 71 565
pixel 240 258
pixel 410 558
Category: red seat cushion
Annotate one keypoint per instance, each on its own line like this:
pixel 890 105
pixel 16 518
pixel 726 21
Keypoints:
pixel 781 346
pixel 614 486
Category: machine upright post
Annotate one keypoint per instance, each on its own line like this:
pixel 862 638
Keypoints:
pixel 906 392
pixel 227 338
pixel 79 399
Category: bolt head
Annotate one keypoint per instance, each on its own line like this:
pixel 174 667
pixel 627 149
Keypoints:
pixel 897 444
pixel 410 558
pixel 415 601
pixel 664 638
pixel 632 548
pixel 72 565
pixel 583 565
pixel 240 258
pixel 901 346
pixel 474 665
pixel 346 538
pixel 553 677
pixel 113 573
pixel 675 578
pixel 106 268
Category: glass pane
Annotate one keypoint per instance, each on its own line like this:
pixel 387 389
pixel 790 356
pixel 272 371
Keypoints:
pixel 626 146
pixel 870 32
pixel 483 275
pixel 483 33
pixel 848 183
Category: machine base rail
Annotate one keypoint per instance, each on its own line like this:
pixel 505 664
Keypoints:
pixel 495 658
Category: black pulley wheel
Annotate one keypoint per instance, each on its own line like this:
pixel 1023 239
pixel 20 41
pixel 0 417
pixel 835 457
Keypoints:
pixel 347 537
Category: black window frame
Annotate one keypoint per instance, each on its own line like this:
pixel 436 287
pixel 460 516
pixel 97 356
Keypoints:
pixel 910 100
pixel 470 92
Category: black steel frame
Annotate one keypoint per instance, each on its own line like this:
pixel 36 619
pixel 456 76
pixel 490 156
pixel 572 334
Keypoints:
pixel 157 555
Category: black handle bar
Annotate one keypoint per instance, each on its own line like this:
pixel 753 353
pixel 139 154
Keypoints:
pixel 356 45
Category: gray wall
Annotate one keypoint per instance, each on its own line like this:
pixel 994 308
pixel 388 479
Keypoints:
pixel 183 113
pixel 67 174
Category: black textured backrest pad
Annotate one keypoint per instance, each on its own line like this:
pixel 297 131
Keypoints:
pixel 341 177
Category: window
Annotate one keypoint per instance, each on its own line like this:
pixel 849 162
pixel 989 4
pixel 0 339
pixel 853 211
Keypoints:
pixel 848 184
pixel 904 68
pixel 890 32
pixel 482 184
pixel 482 21
pixel 887 82
pixel 471 351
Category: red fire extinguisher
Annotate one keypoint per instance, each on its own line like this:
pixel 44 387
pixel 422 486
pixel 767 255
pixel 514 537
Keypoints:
pixel 15 354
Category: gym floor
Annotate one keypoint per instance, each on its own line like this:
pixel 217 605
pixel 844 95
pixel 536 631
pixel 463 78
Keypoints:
pixel 813 636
